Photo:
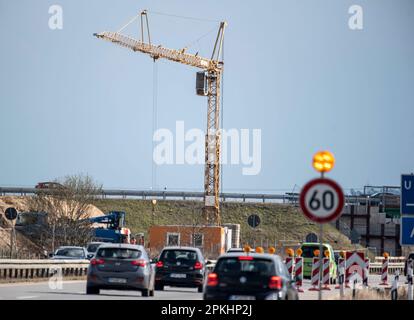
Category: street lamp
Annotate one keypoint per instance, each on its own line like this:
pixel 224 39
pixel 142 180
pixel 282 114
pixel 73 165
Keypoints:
pixel 154 202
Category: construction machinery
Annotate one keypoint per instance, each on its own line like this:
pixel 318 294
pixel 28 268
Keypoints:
pixel 114 230
pixel 208 83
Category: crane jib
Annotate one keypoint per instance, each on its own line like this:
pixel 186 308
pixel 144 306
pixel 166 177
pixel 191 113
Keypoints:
pixel 161 52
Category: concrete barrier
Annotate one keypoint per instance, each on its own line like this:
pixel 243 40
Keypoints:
pixel 34 269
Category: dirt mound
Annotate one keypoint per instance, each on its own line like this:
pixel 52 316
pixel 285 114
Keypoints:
pixel 22 205
pixel 24 245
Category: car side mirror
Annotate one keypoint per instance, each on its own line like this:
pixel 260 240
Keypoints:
pixel 50 255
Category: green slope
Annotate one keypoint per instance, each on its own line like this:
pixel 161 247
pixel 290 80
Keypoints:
pixel 278 222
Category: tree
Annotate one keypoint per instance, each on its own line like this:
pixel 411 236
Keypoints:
pixel 66 205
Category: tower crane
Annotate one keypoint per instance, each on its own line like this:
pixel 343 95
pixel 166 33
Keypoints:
pixel 208 83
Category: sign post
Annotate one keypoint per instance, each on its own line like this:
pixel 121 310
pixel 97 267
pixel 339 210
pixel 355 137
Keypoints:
pixel 322 200
pixel 11 214
pixel 407 210
pixel 254 220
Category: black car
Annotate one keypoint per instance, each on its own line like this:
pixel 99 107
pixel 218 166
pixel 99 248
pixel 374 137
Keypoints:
pixel 253 276
pixel 180 267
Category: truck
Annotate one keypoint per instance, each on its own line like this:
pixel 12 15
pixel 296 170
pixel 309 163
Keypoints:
pixel 114 230
pixel 110 228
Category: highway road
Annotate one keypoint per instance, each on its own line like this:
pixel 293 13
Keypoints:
pixel 75 290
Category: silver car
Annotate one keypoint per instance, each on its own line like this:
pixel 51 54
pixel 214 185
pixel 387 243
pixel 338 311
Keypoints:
pixel 70 253
pixel 121 267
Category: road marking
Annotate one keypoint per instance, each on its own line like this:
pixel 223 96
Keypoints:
pixel 21 284
pixel 26 297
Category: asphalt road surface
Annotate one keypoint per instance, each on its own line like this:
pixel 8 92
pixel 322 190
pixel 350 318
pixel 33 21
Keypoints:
pixel 75 290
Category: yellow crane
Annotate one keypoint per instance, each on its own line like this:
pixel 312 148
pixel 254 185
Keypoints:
pixel 207 84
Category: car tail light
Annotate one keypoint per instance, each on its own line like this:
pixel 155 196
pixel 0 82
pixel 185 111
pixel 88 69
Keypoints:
pixel 212 280
pixel 275 282
pixel 95 262
pixel 139 263
pixel 246 258
pixel 159 264
pixel 198 265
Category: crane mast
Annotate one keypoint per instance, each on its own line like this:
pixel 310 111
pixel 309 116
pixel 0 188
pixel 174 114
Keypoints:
pixel 211 75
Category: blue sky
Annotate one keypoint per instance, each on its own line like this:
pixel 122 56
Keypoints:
pixel 70 103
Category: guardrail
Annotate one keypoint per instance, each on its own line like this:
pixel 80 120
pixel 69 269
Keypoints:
pixel 184 195
pixel 32 269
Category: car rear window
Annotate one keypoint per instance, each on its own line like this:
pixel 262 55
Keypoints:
pixel 307 251
pixel 118 253
pixel 184 257
pixel 70 252
pixel 93 247
pixel 235 266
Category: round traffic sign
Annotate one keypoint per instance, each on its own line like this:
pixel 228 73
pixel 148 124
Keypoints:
pixel 10 213
pixel 253 220
pixel 311 237
pixel 322 200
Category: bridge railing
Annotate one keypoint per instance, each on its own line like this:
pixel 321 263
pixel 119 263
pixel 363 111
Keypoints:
pixel 289 198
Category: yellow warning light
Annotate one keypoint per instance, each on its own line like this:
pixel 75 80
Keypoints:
pixel 272 250
pixel 386 255
pixel 290 252
pixel 316 253
pixel 299 252
pixel 327 253
pixel 259 250
pixel 247 248
pixel 342 254
pixel 323 161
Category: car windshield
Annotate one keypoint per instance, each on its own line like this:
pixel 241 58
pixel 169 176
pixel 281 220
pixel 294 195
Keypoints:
pixel 236 266
pixel 181 257
pixel 307 251
pixel 70 252
pixel 118 253
pixel 93 247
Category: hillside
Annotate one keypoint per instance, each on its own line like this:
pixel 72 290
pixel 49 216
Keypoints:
pixel 278 222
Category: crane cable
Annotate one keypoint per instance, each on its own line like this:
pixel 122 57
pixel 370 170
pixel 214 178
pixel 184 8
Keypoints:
pixel 128 23
pixel 222 115
pixel 182 17
pixel 154 121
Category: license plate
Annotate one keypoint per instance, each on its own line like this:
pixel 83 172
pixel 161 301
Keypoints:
pixel 242 298
pixel 178 275
pixel 117 280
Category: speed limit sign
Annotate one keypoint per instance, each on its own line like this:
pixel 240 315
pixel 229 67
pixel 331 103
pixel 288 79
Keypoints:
pixel 322 200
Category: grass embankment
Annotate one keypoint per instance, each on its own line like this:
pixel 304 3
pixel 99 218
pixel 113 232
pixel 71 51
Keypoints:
pixel 278 222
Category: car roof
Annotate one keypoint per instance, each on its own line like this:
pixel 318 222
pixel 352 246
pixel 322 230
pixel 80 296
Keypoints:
pixel 254 255
pixel 181 248
pixel 121 245
pixel 315 244
pixel 70 247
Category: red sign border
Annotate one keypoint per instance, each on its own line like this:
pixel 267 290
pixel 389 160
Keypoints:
pixel 332 184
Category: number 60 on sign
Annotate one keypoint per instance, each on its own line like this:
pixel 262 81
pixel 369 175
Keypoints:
pixel 322 200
